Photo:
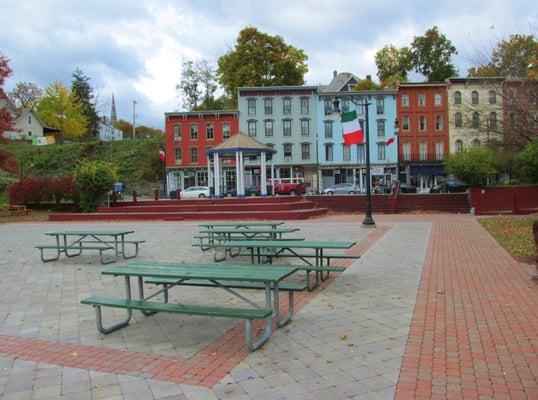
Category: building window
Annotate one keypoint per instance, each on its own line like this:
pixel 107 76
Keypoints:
pixel 225 130
pixel 407 151
pixel 532 94
pixel 439 151
pixel 476 143
pixel 422 100
pixel 268 106
pixel 459 146
pixel 268 128
pixel 380 106
pixel 381 151
pixel 345 105
pixel 194 154
pixel 286 106
pixel 474 97
pixel 512 96
pixel 512 120
pixel 380 127
pixel 405 123
pixel 305 151
pixel 29 119
pixel 422 151
pixel 287 152
pixel 405 100
pixel 328 129
pixel 422 123
pixel 457 98
pixel 327 106
pixel 177 132
pixel 476 119
pixel 252 128
pixel 305 105
pixel 29 133
pixel 438 100
pixel 346 153
pixel 210 131
pixel 194 132
pixel 438 123
pixel 251 106
pixel 177 152
pixel 305 127
pixel 493 120
pixel 328 152
pixel 492 97
pixel 361 154
pixel 458 120
pixel 286 124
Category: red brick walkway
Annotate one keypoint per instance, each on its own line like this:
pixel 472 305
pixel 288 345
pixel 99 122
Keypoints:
pixel 205 368
pixel 474 332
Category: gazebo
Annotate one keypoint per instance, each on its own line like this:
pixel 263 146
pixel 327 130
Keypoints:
pixel 240 146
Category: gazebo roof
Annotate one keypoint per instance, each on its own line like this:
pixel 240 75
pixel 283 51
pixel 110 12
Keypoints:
pixel 241 142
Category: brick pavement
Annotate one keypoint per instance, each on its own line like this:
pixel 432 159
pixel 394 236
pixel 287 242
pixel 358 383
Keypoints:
pixel 474 333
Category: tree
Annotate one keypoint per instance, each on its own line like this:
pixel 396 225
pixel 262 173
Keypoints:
pixel 259 59
pixel 366 84
pixel 94 179
pixel 527 163
pixel 473 165
pixel 6 117
pixel 393 64
pixel 432 54
pixel 513 57
pixel 62 109
pixel 197 86
pixel 25 95
pixel 80 87
pixel 141 131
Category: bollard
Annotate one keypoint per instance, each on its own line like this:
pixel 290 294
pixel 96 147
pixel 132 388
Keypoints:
pixel 178 194
pixel 156 194
pixel 133 193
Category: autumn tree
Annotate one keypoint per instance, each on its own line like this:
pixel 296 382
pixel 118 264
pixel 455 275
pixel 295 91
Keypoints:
pixel 6 117
pixel 432 55
pixel 80 87
pixel 514 57
pixel 393 64
pixel 141 131
pixel 197 86
pixel 25 94
pixel 62 109
pixel 259 59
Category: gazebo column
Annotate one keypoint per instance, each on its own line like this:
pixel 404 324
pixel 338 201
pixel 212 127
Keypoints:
pixel 241 192
pixel 263 176
pixel 216 161
pixel 273 175
pixel 209 177
pixel 237 174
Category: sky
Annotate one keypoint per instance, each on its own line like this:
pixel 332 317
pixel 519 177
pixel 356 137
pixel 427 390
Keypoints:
pixel 135 49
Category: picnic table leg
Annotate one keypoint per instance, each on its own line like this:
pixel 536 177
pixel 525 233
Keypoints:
pixel 280 322
pixel 99 319
pixel 218 259
pixel 65 248
pixel 141 296
pixel 268 324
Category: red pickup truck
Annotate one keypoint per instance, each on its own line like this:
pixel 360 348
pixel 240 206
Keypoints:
pixel 291 188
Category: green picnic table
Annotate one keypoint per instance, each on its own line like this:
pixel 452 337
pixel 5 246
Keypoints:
pixel 79 240
pixel 241 224
pixel 177 274
pixel 264 251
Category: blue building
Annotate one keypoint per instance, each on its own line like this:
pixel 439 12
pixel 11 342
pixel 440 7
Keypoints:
pixel 347 164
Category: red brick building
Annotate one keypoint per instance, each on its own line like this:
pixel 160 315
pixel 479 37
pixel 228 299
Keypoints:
pixel 422 111
pixel 520 110
pixel 188 135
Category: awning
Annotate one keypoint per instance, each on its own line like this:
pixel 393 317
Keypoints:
pixel 427 170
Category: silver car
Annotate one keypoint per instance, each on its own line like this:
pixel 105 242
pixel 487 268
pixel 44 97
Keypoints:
pixel 342 188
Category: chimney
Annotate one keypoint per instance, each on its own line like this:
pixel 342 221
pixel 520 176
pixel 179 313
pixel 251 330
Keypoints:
pixel 335 72
pixel 368 77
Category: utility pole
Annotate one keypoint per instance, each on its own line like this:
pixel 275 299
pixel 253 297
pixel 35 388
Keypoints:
pixel 134 119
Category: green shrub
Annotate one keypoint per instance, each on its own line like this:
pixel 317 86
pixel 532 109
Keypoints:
pixel 473 165
pixel 94 180
pixel 527 163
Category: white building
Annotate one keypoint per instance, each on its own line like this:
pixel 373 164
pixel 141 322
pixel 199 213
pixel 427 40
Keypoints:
pixel 107 132
pixel 27 123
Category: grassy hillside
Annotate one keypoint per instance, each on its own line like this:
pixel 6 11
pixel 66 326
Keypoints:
pixel 137 160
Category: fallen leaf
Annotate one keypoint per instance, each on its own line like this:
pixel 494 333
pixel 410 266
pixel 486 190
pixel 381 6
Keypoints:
pixel 343 337
pixel 440 292
pixel 350 345
pixel 73 354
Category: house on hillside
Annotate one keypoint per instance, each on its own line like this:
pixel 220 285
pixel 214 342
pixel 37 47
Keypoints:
pixel 107 132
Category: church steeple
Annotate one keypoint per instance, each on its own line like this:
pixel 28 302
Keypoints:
pixel 113 116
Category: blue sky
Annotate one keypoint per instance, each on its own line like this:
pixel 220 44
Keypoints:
pixel 135 48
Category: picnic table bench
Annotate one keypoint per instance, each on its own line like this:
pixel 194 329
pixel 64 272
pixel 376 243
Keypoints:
pixel 15 210
pixel 267 277
pixel 241 224
pixel 79 240
pixel 264 251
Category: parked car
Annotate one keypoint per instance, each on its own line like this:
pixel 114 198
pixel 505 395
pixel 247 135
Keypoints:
pixel 406 188
pixel 450 187
pixel 195 192
pixel 249 191
pixel 291 188
pixel 342 188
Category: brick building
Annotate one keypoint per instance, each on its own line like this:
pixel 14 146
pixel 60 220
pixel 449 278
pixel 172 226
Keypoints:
pixel 188 135
pixel 422 110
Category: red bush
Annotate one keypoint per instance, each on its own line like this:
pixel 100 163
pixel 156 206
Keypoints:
pixel 52 189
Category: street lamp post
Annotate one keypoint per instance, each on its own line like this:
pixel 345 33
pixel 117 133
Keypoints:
pixel 368 219
pixel 397 133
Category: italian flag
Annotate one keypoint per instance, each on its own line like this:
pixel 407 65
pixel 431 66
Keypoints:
pixel 351 130
pixel 162 154
pixel 391 139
